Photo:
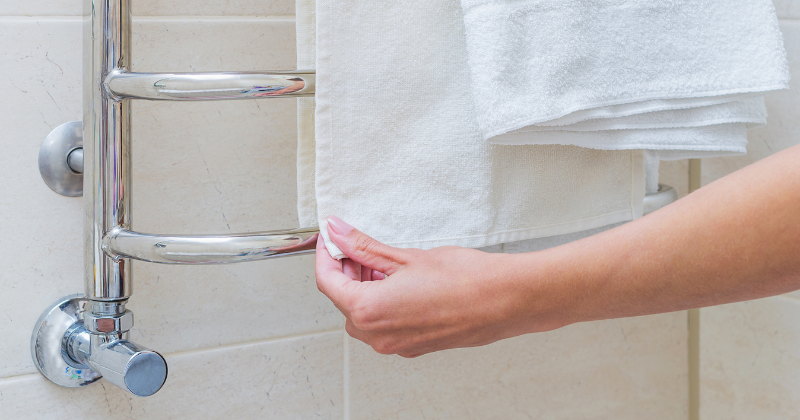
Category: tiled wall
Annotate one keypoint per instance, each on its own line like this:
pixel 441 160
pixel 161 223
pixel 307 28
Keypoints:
pixel 750 352
pixel 257 340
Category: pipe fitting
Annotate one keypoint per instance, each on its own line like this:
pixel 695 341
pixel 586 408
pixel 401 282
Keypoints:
pixel 108 324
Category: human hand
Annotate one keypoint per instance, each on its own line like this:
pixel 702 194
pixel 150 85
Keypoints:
pixel 431 300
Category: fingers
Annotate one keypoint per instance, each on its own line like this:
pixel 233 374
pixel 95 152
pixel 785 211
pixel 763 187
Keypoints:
pixel 331 279
pixel 355 332
pixel 366 273
pixel 363 249
pixel 352 269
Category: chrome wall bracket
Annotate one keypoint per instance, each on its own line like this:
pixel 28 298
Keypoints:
pixel 50 330
pixel 61 159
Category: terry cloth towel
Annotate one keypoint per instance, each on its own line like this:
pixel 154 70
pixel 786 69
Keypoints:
pixel 306 27
pixel 681 76
pixel 398 151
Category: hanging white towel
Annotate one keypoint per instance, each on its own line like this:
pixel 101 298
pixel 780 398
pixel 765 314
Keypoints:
pixel 622 66
pixel 399 154
pixel 306 25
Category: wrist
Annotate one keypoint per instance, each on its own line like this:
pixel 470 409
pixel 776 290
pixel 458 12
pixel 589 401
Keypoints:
pixel 548 297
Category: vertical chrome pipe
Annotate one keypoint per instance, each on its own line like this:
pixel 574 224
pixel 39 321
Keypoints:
pixel 103 345
pixel 106 125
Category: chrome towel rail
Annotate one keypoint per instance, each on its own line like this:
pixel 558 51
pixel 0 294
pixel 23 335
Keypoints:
pixel 81 337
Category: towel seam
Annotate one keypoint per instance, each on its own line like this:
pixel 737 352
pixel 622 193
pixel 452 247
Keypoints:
pixel 601 220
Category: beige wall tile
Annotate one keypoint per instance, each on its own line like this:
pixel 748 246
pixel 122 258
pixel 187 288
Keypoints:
pixel 213 8
pixel 298 378
pixel 41 252
pixel 42 8
pixel 783 124
pixel 213 44
pixel 621 369
pixel 787 9
pixel 750 362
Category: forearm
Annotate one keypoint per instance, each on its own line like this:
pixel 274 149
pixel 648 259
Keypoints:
pixel 735 239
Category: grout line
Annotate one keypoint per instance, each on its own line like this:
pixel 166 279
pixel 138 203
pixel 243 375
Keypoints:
pixel 694 364
pixel 250 343
pixel 186 18
pixel 288 18
pixel 346 379
pixel 693 315
pixel 203 350
pixel 19 377
pixel 41 18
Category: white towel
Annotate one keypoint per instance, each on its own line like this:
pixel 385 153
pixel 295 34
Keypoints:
pixel 399 153
pixel 306 26
pixel 623 65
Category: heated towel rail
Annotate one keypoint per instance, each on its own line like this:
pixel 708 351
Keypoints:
pixel 81 337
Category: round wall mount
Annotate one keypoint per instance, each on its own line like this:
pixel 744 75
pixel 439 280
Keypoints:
pixel 46 343
pixel 54 159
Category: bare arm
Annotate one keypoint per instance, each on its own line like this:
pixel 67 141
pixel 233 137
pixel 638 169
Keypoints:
pixel 735 239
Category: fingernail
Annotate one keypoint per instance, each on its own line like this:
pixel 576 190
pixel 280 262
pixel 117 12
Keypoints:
pixel 339 226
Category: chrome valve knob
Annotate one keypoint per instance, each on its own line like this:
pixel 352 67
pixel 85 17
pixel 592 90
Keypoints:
pixel 129 366
pixel 74 346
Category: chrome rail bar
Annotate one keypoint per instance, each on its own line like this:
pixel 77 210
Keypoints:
pixel 209 86
pixel 223 249
pixel 209 249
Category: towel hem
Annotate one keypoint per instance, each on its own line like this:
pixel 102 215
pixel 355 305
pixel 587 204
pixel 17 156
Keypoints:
pixel 521 123
pixel 488 239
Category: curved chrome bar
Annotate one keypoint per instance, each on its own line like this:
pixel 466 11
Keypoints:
pixel 209 249
pixel 209 86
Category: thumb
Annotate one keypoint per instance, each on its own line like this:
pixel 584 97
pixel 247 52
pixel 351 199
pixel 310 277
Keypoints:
pixel 363 249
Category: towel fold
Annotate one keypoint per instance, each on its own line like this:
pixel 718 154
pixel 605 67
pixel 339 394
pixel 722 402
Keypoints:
pixel 542 67
pixel 397 150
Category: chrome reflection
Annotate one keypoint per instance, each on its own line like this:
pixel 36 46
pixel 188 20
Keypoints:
pixel 209 86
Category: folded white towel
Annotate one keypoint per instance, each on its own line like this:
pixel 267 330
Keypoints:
pixel 399 153
pixel 587 65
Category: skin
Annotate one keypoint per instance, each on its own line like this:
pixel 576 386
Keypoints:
pixel 735 239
